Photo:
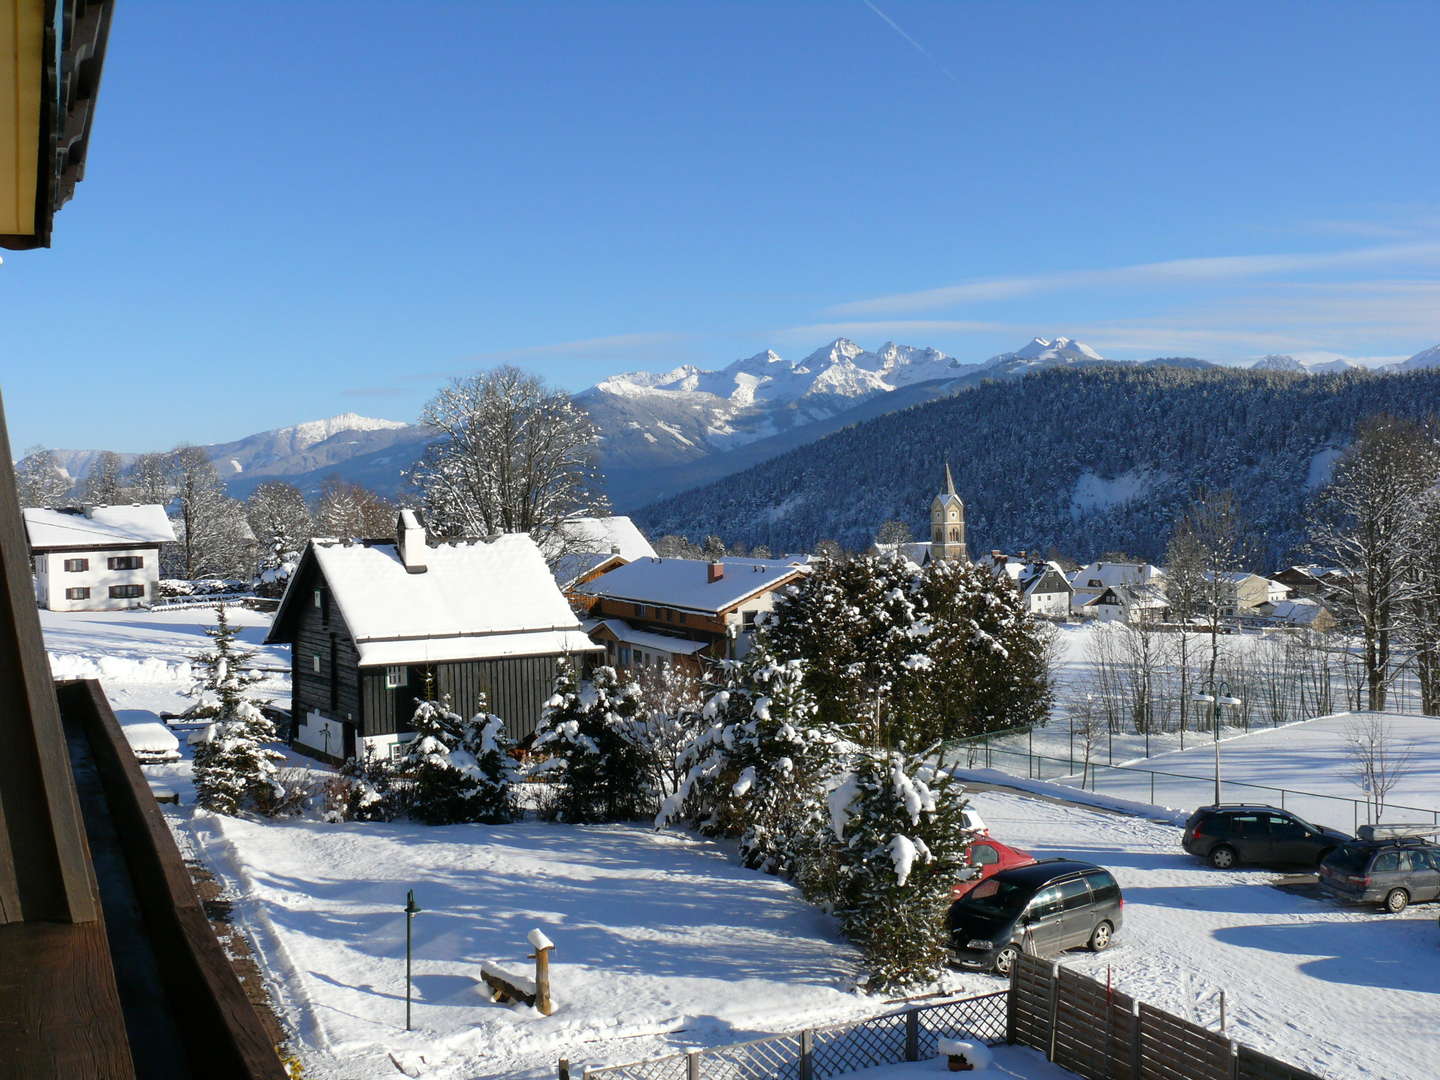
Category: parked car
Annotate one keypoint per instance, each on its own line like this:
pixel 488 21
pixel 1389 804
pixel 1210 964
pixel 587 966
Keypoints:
pixel 1231 833
pixel 1044 909
pixel 1393 872
pixel 970 819
pixel 987 857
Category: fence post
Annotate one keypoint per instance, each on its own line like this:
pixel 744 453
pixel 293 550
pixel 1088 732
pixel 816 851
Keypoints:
pixel 1135 1041
pixel 692 1065
pixel 564 1069
pixel 807 1052
pixel 912 1035
pixel 1012 1000
pixel 1054 1007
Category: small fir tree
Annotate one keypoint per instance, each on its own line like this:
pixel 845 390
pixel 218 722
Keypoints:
pixel 899 847
pixel 597 761
pixel 235 766
pixel 758 768
pixel 459 770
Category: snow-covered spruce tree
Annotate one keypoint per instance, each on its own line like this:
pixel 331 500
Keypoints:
pixel 596 762
pixel 758 769
pixel 860 628
pixel 234 763
pixel 459 770
pixel 984 663
pixel 899 848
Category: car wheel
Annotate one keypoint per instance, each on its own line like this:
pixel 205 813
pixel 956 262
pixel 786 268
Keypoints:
pixel 1005 960
pixel 1100 937
pixel 1396 901
pixel 1222 857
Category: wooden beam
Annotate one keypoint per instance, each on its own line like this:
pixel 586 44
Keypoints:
pixel 45 869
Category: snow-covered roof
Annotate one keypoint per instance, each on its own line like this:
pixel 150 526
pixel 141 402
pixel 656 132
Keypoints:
pixel 568 569
pixel 623 631
pixel 98 526
pixel 913 552
pixel 1297 612
pixel 607 535
pixel 1231 577
pixel 685 583
pixel 476 599
pixel 1116 573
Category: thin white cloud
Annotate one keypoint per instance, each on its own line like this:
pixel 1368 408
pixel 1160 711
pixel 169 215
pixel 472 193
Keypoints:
pixel 1170 272
pixel 888 328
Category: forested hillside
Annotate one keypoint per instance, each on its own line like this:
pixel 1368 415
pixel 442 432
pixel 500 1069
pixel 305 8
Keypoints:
pixel 1086 460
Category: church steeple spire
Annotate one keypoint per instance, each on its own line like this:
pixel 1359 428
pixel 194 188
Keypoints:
pixel 947 523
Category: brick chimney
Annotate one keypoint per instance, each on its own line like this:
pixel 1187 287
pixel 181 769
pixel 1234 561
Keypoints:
pixel 714 572
pixel 410 542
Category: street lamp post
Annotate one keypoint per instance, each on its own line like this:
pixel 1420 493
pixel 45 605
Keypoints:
pixel 411 910
pixel 1215 700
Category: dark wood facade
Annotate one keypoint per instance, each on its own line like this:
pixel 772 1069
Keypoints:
pixel 327 678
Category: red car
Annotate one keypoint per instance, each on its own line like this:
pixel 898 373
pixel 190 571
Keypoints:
pixel 988 857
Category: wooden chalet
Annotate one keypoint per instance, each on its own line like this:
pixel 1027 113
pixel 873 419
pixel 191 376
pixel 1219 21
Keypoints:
pixel 372 623
pixel 653 612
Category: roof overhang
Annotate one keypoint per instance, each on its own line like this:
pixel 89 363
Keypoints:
pixel 51 54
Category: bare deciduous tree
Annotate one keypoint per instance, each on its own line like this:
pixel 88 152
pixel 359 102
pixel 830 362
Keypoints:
pixel 102 484
pixel 39 479
pixel 1366 523
pixel 514 455
pixel 1378 761
pixel 280 520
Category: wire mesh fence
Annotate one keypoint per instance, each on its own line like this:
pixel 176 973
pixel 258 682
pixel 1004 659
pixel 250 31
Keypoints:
pixel 912 1034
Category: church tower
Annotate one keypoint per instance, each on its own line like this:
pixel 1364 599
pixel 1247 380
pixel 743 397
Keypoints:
pixel 947 524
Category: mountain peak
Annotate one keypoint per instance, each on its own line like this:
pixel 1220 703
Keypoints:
pixel 1425 358
pixel 1039 351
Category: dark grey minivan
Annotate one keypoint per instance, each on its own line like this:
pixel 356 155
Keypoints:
pixel 1043 909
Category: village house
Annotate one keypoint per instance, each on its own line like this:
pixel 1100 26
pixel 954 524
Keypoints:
pixel 97 558
pixel 586 547
pixel 1124 591
pixel 374 625
pixel 654 612
pixel 1242 593
pixel 1301 613
pixel 1042 583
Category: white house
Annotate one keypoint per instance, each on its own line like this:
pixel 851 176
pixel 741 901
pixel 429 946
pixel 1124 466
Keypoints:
pixel 97 558
pixel 1042 583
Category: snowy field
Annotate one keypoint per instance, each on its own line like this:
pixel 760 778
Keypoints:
pixel 1306 757
pixel 664 944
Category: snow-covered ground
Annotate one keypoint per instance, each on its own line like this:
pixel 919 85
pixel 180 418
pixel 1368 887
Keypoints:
pixel 663 943
pixel 1307 757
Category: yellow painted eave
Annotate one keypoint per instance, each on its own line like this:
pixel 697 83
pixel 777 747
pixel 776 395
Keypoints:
pixel 22 44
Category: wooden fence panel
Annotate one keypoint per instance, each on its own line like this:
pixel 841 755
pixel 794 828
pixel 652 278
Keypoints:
pixel 1175 1049
pixel 1030 985
pixel 1253 1065
pixel 1095 1029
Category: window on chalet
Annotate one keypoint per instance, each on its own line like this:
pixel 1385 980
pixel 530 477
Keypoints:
pixel 395 676
pixel 76 566
pixel 747 621
pixel 77 594
pixel 315 662
pixel 126 592
pixel 125 562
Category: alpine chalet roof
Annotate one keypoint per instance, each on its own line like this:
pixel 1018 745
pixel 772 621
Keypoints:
pixel 98 526
pixel 685 583
pixel 623 631
pixel 606 535
pixel 475 600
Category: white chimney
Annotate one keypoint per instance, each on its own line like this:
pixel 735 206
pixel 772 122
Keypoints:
pixel 410 542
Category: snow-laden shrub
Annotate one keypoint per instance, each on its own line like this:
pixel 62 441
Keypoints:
pixel 757 770
pixel 459 770
pixel 594 758
pixel 668 721
pixel 898 841
pixel 368 789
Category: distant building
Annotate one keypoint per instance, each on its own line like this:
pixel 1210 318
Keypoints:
pixel 374 625
pixel 1303 613
pixel 653 612
pixel 97 558
pixel 1042 583
pixel 1242 592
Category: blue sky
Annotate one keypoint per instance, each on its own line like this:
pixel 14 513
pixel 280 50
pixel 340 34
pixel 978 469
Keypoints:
pixel 296 210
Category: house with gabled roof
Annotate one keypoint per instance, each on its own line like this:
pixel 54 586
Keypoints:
pixel 97 558
pixel 653 612
pixel 1041 582
pixel 375 624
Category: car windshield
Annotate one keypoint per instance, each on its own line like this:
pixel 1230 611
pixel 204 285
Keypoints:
pixel 997 897
pixel 1350 858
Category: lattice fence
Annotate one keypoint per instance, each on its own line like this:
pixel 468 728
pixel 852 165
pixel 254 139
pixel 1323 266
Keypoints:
pixel 821 1053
